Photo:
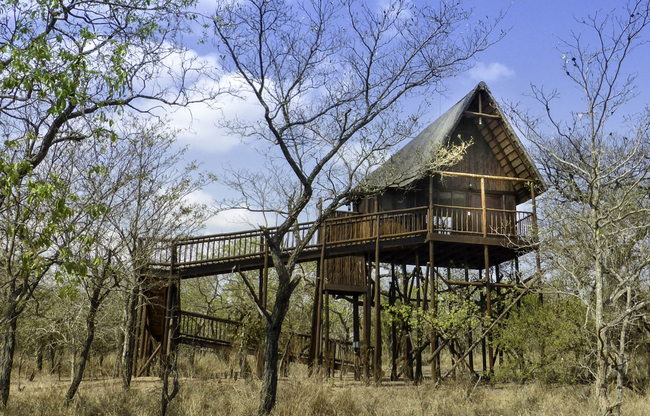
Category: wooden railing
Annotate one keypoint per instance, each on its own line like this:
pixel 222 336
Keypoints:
pixel 367 227
pixel 341 353
pixel 352 229
pixel 199 327
pixel 465 220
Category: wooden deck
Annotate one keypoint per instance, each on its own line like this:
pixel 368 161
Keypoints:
pixel 399 234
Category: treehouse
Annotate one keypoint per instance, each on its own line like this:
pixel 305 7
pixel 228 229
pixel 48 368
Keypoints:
pixel 425 220
pixel 472 202
pixel 418 211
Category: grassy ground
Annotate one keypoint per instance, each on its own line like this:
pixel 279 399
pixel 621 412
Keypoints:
pixel 207 388
pixel 299 395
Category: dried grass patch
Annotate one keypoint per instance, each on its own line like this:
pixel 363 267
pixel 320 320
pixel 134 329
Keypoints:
pixel 302 395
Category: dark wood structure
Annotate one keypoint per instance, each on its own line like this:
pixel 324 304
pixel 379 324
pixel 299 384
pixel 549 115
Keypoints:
pixel 429 226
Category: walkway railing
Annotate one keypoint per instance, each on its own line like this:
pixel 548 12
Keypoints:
pixel 348 230
pixel 199 327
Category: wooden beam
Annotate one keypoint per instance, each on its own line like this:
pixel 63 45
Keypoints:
pixel 474 114
pixel 488 303
pixel 488 330
pixel 483 208
pixel 377 352
pixel 476 175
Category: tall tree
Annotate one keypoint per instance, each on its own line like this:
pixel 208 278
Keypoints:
pixel 152 204
pixel 131 192
pixel 66 68
pixel 597 216
pixel 330 78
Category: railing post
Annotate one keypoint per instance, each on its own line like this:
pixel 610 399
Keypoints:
pixel 483 207
pixel 430 212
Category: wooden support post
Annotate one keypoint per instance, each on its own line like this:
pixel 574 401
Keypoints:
pixel 435 363
pixel 470 359
pixel 407 368
pixel 433 306
pixel 488 306
pixel 367 314
pixel 483 344
pixel 365 349
pixel 418 305
pixel 319 315
pixel 313 341
pixel 377 352
pixel 356 336
pixel 326 330
pixel 483 208
pixel 393 326
pixel 430 214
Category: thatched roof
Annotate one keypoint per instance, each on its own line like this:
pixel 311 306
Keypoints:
pixel 412 162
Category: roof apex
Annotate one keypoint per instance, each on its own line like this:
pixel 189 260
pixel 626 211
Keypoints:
pixel 413 161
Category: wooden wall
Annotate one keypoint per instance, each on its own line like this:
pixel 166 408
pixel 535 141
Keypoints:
pixel 479 159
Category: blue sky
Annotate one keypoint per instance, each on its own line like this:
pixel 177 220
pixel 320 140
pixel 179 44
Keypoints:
pixel 529 54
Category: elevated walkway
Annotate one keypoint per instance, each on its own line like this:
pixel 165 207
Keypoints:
pixel 345 243
pixel 399 233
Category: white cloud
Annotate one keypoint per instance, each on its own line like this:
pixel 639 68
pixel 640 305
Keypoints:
pixel 200 197
pixel 198 123
pixel 234 220
pixel 491 72
pixel 196 127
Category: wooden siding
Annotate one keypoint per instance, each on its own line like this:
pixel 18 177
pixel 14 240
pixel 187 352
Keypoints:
pixel 479 159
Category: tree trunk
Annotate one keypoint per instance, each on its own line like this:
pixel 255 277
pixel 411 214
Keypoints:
pixel 127 347
pixel 170 367
pixel 272 341
pixel 270 376
pixel 39 358
pixel 601 331
pixel 621 367
pixel 7 356
pixel 117 364
pixel 85 351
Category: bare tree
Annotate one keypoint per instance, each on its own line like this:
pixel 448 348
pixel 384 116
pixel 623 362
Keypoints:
pixel 152 204
pixel 141 186
pixel 67 68
pixel 330 78
pixel 597 217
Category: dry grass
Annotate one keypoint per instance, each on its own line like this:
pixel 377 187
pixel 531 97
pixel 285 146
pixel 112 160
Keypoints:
pixel 301 395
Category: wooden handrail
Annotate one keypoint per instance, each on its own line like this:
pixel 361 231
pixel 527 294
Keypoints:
pixel 209 317
pixel 354 229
